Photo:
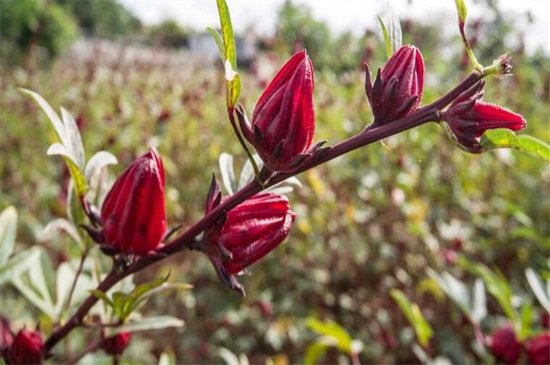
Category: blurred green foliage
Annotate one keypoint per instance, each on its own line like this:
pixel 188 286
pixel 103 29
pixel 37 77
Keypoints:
pixel 371 222
pixel 25 24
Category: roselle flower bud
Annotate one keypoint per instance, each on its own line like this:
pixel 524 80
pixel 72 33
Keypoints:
pixel 283 121
pixel 133 214
pixel 538 349
pixel 250 231
pixel 27 348
pixel 397 89
pixel 115 345
pixel 468 118
pixel 504 344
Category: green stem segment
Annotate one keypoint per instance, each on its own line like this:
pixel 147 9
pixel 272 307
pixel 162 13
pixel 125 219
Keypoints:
pixel 188 238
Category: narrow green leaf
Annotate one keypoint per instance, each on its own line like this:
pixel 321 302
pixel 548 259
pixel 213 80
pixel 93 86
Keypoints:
pixel 421 327
pixel 227 170
pixel 526 319
pixel 8 228
pixel 229 58
pixel 387 40
pixel 97 161
pixel 19 264
pixel 164 287
pixel 479 302
pixel 334 330
pixel 34 298
pixel 58 125
pixel 63 282
pixel 532 145
pixel 101 295
pixel 497 286
pixel 461 10
pixel 227 33
pixel 395 31
pixel 454 288
pixel 76 147
pixel 39 284
pixel 228 356
pixel 120 304
pixel 167 358
pixel 537 285
pixel 61 224
pixel 150 323
pixel 314 353
pixel 219 42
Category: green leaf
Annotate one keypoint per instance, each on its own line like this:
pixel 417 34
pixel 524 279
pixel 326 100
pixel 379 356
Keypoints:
pixel 411 310
pixel 334 330
pixel 150 323
pixel 33 297
pixel 314 352
pixel 229 57
pixel 61 224
pixel 97 161
pixel 395 30
pixel 63 283
pixel 228 172
pixel 70 146
pixel 497 286
pixel 537 285
pixel 167 358
pixel 19 264
pixel 526 319
pixel 461 10
pixel 8 228
pixel 505 138
pixel 219 41
pixel 387 40
pixel 101 295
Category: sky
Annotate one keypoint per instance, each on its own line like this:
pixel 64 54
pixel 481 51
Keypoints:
pixel 343 15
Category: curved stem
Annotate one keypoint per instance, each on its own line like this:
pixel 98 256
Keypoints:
pixel 186 239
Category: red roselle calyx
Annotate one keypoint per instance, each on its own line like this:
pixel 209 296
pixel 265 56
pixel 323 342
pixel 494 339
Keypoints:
pixel 283 121
pixel 397 89
pixel 249 232
pixel 504 344
pixel 115 345
pixel 27 348
pixel 538 349
pixel 133 213
pixel 468 118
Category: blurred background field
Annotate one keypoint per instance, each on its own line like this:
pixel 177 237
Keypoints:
pixel 369 222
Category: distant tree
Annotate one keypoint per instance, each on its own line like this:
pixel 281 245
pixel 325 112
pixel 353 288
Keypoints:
pixel 26 25
pixel 105 18
pixel 297 28
pixel 169 34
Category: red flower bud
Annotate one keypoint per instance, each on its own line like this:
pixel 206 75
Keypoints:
pixel 27 348
pixel 283 121
pixel 133 214
pixel 397 89
pixel 115 345
pixel 504 344
pixel 538 349
pixel 468 118
pixel 251 230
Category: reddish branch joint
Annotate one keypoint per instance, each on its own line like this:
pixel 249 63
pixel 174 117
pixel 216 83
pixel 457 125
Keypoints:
pixel 283 121
pixel 27 348
pixel 115 345
pixel 133 213
pixel 468 118
pixel 397 89
pixel 249 232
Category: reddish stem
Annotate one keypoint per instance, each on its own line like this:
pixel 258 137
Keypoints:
pixel 187 239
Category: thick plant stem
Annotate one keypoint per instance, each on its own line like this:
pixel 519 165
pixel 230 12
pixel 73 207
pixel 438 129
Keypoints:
pixel 187 240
